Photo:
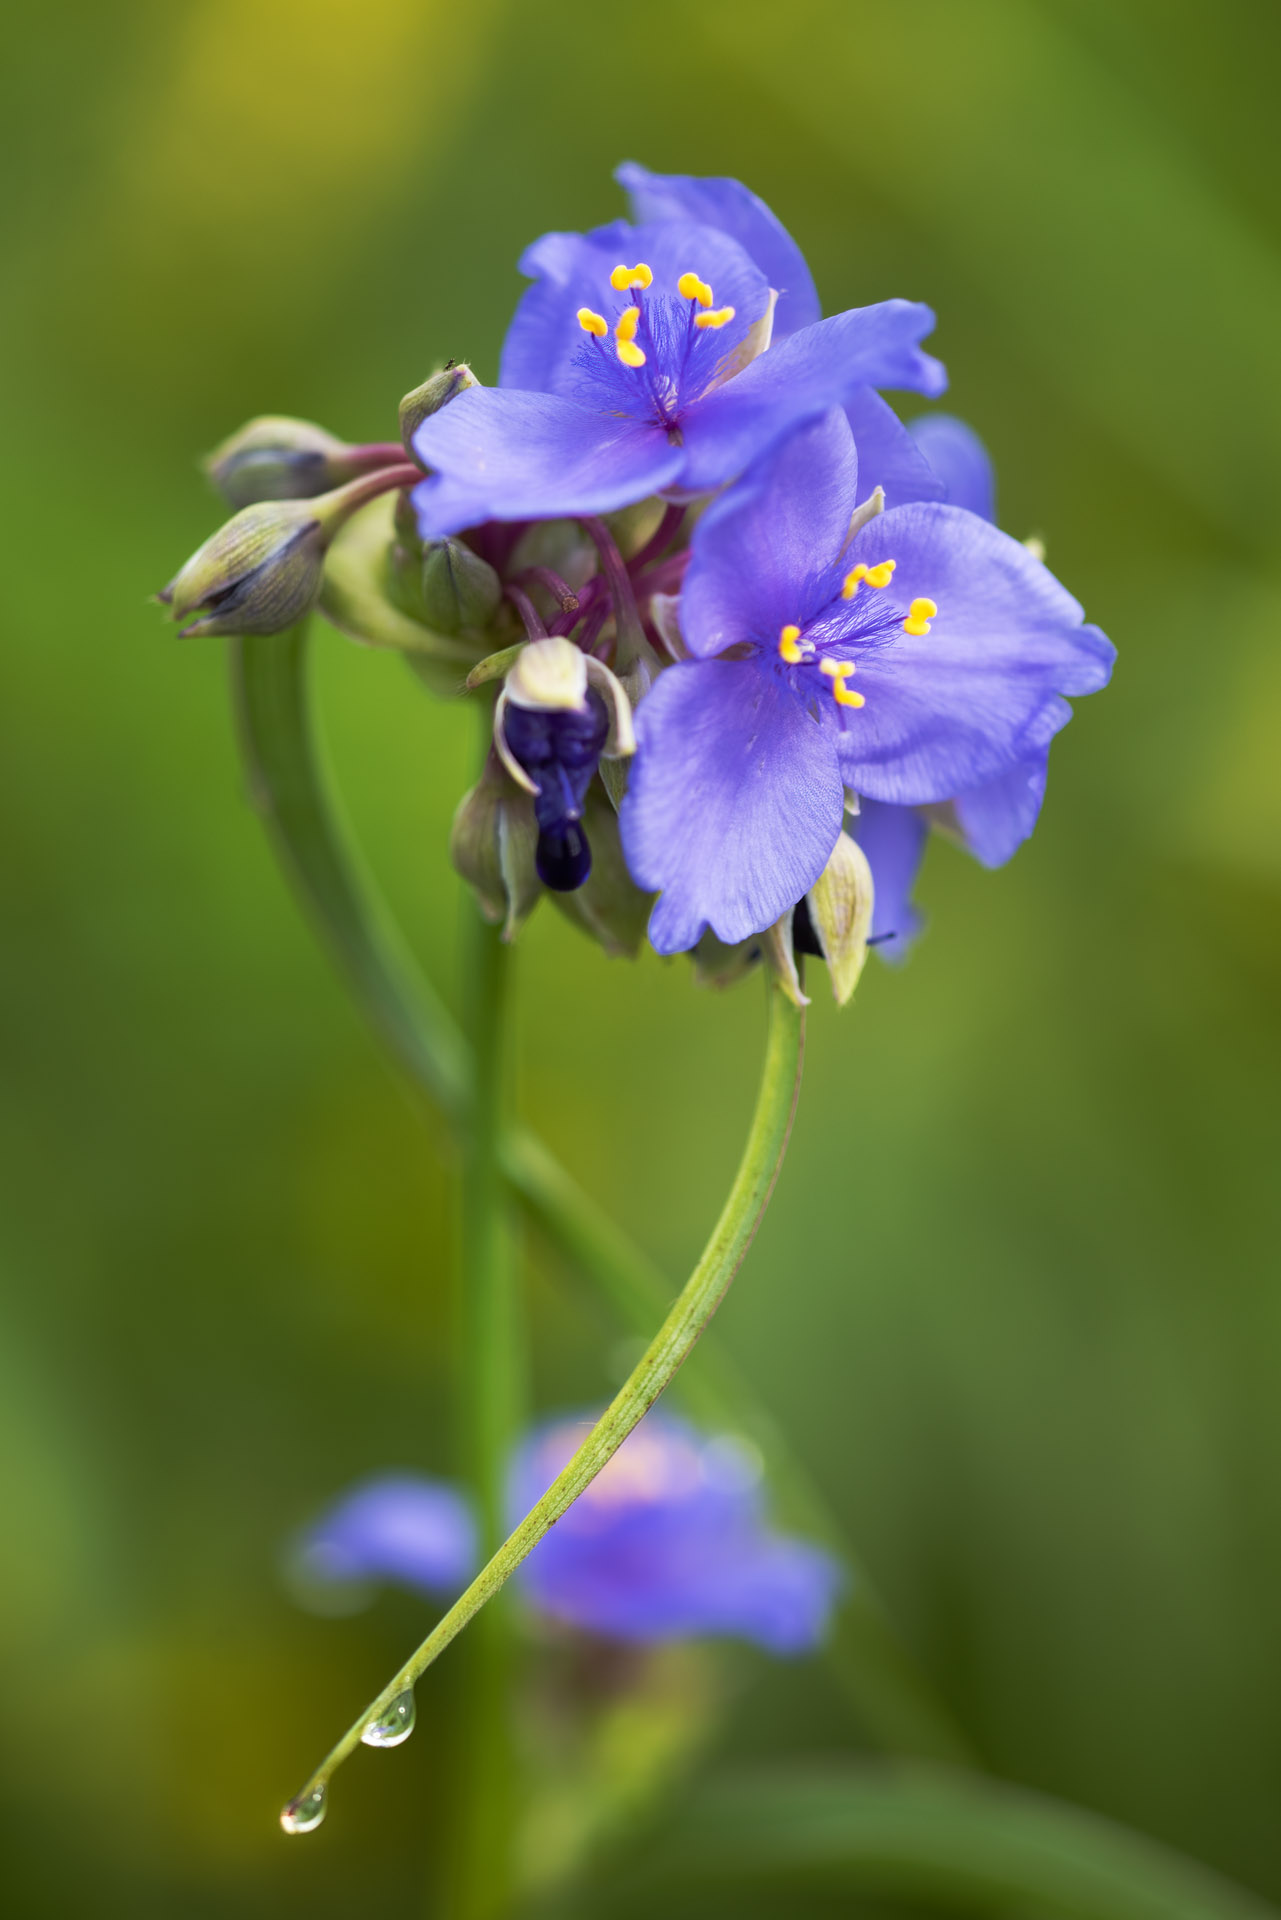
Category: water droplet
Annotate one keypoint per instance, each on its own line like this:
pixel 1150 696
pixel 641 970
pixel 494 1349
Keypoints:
pixel 305 1813
pixel 394 1725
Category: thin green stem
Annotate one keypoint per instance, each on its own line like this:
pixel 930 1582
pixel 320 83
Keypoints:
pixel 286 782
pixel 694 1306
pixel 488 1413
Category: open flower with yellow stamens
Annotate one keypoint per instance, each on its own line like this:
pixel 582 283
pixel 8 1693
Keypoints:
pixel 922 659
pixel 641 362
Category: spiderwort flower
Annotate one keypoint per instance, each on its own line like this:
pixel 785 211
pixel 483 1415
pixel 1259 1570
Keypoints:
pixel 889 455
pixel 669 1542
pixel 559 711
pixel 922 659
pixel 639 362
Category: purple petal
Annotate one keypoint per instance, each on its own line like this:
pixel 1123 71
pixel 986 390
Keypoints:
pixel 961 461
pixel 733 208
pixel 671 1541
pixel 997 818
pixel 544 343
pixel 768 552
pixel 823 366
pixel 893 838
pixel 398 1527
pixel 501 455
pixel 734 802
pixel 888 456
pixel 957 707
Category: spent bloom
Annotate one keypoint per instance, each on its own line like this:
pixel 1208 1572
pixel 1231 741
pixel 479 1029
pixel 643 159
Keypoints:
pixel 921 660
pixel 670 1541
pixel 657 358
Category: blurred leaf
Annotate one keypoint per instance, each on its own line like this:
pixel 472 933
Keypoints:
pixel 946 1838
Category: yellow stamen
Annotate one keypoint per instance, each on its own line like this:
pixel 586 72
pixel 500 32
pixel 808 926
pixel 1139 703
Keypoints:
pixel 715 317
pixel 836 668
pixel 919 615
pixel 630 354
pixel 788 648
pixel 623 278
pixel 846 696
pixel 878 576
pixel 627 324
pixel 625 338
pixel 690 287
pixel 592 322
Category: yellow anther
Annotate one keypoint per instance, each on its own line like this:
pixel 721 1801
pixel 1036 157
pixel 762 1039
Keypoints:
pixel 788 647
pixel 836 668
pixel 627 324
pixel 919 615
pixel 714 317
pixel 690 287
pixel 882 574
pixel 846 696
pixel 622 278
pixel 849 586
pixel 592 322
pixel 630 354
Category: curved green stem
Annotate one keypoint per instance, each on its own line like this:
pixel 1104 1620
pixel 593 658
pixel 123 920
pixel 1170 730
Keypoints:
pixel 694 1306
pixel 286 782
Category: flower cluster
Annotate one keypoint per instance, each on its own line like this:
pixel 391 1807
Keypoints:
pixel 669 1542
pixel 752 636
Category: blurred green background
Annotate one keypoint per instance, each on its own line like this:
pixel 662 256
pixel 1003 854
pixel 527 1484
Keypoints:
pixel 1017 1299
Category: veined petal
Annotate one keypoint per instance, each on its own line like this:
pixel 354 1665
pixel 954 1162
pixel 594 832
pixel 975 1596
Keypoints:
pixel 396 1527
pixel 545 343
pixel 532 456
pixel 734 803
pixel 733 208
pixel 893 838
pixel 954 708
pixel 961 461
pixel 888 455
pixel 768 552
pixel 997 818
pixel 822 366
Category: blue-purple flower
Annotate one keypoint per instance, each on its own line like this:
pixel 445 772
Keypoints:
pixel 922 660
pixel 669 1542
pixel 662 357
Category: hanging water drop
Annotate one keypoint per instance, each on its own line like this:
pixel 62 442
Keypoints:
pixel 394 1724
pixel 305 1813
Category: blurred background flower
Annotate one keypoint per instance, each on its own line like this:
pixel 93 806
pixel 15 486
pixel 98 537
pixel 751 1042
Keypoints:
pixel 1016 1299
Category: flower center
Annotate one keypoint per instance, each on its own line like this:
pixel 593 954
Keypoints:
pixel 797 649
pixel 703 316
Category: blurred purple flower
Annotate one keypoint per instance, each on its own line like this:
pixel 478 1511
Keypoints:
pixel 920 661
pixel 644 359
pixel 669 1542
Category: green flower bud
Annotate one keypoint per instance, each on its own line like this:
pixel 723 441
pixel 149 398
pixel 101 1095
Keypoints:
pixel 276 458
pixel 263 570
pixel 258 574
pixel 460 591
pixel 716 965
pixel 840 912
pixel 431 397
pixel 492 846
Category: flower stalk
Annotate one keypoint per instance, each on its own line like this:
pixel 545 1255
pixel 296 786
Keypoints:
pixel 697 1302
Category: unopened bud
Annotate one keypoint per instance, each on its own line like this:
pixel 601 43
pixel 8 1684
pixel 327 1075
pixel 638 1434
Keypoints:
pixel 460 591
pixel 609 906
pixel 839 910
pixel 431 397
pixel 258 574
pixel 276 458
pixel 716 965
pixel 492 846
pixel 263 570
